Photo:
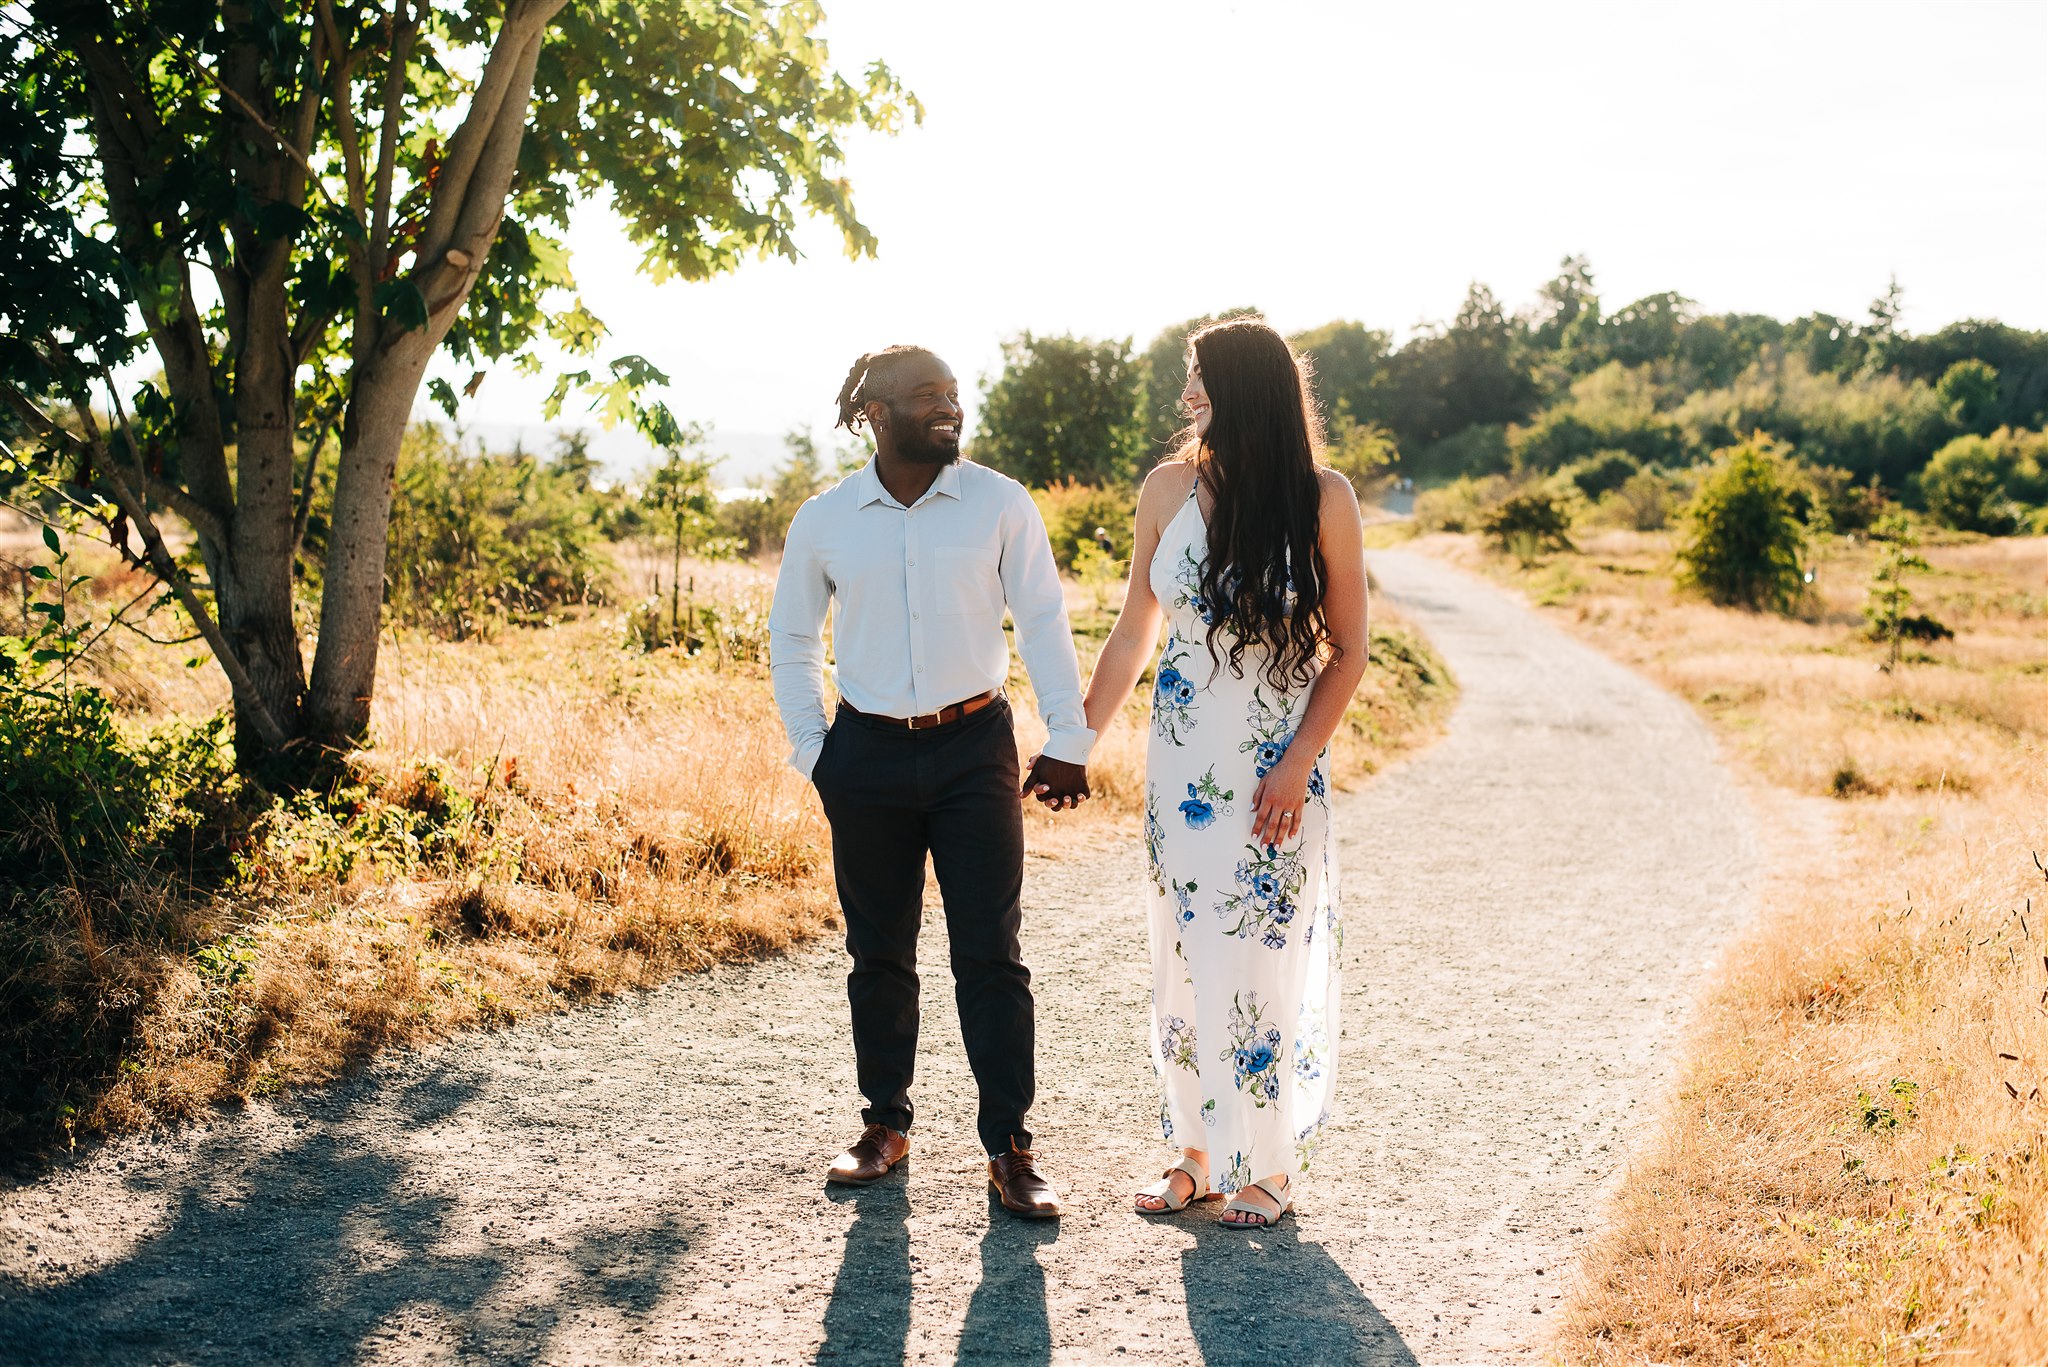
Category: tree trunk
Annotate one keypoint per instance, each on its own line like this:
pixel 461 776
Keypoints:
pixel 352 597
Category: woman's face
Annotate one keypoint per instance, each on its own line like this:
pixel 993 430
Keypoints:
pixel 1195 398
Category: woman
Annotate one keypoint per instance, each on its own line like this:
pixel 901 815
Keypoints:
pixel 1252 553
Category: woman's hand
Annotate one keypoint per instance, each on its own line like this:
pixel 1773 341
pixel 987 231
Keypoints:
pixel 1278 801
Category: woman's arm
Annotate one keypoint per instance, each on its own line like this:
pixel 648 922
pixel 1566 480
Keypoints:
pixel 1129 647
pixel 1278 800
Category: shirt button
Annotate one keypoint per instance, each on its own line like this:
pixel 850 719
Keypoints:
pixel 913 564
pixel 913 617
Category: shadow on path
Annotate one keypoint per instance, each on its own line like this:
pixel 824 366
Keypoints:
pixel 326 1249
pixel 1006 1318
pixel 1264 1297
pixel 868 1317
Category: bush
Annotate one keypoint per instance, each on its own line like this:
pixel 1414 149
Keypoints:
pixel 1601 473
pixel 476 537
pixel 1529 523
pixel 1744 538
pixel 1072 512
pixel 1613 409
pixel 1644 502
pixel 1978 484
pixel 1461 505
pixel 81 799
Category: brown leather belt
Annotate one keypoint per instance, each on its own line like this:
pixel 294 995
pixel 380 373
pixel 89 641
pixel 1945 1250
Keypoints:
pixel 952 711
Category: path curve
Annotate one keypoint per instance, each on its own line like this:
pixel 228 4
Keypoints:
pixel 1530 905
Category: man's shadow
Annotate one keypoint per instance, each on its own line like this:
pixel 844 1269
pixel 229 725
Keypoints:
pixel 868 1317
pixel 1266 1295
pixel 1006 1318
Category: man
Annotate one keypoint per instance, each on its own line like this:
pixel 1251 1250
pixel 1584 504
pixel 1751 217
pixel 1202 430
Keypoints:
pixel 922 552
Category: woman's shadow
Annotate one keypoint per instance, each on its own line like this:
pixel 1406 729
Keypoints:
pixel 1255 1295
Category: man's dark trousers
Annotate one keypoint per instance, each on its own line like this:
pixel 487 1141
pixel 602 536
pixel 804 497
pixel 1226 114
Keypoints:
pixel 891 794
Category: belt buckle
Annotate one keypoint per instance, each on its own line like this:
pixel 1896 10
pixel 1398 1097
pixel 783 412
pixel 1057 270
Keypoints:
pixel 910 723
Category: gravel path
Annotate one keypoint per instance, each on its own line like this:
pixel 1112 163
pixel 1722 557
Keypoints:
pixel 1529 907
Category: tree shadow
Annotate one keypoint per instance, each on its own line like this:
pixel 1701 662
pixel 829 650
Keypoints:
pixel 868 1316
pixel 1006 1317
pixel 324 1250
pixel 1257 1297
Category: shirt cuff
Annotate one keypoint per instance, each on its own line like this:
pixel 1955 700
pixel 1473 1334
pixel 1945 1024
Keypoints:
pixel 1071 747
pixel 804 758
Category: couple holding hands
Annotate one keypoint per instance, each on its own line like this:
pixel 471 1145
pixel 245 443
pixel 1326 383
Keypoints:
pixel 1251 552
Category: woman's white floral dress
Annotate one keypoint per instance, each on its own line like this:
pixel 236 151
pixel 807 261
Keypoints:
pixel 1245 937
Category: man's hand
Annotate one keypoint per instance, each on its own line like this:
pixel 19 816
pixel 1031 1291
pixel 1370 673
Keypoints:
pixel 1056 783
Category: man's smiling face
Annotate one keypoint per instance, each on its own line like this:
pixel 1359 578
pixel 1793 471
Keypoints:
pixel 924 411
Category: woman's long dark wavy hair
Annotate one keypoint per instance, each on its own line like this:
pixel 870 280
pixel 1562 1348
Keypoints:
pixel 1258 460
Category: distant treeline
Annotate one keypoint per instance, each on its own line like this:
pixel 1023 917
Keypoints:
pixel 1556 382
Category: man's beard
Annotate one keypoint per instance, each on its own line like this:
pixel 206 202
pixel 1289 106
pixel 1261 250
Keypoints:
pixel 914 441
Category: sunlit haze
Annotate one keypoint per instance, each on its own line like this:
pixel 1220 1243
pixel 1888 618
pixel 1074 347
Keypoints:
pixel 1109 169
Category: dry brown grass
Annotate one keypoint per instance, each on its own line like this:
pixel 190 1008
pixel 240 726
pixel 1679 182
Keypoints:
pixel 542 818
pixel 1854 1167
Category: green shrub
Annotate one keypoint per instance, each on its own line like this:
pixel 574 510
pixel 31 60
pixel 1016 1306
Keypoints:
pixel 82 799
pixel 1644 502
pixel 1612 409
pixel 478 537
pixel 1601 473
pixel 1461 505
pixel 1743 538
pixel 1528 523
pixel 1979 484
pixel 1073 511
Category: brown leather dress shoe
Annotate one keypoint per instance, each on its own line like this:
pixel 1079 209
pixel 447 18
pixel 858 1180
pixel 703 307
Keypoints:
pixel 1020 1185
pixel 878 1149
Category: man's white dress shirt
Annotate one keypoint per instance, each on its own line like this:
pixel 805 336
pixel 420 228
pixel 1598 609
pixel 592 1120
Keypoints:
pixel 920 594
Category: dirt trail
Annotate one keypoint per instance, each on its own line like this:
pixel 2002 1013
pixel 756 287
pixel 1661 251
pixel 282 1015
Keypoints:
pixel 1529 906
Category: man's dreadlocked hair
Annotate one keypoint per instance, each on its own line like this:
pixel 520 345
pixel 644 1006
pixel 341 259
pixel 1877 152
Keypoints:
pixel 867 380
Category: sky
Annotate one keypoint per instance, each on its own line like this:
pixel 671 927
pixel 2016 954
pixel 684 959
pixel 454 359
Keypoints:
pixel 1112 168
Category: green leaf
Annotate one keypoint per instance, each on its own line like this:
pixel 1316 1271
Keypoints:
pixel 53 611
pixel 41 572
pixel 443 393
pixel 402 304
pixel 50 540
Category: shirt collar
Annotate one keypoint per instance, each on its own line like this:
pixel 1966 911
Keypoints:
pixel 871 490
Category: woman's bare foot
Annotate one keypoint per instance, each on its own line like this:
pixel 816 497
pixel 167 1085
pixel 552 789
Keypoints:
pixel 1264 1209
pixel 1180 1185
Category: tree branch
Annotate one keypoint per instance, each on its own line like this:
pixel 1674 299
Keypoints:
pixel 507 81
pixel 403 30
pixel 247 699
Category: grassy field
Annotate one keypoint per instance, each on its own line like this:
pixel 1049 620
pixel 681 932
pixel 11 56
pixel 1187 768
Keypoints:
pixel 1854 1165
pixel 542 818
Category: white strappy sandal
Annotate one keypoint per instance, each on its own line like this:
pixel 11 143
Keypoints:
pixel 1162 1190
pixel 1260 1217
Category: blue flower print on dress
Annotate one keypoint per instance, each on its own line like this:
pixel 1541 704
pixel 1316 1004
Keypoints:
pixel 1269 883
pixel 1237 1176
pixel 1318 788
pixel 1165 1123
pixel 1272 730
pixel 1184 903
pixel 1311 1045
pixel 1173 694
pixel 1177 1044
pixel 1209 1111
pixel 1206 800
pixel 1253 1051
pixel 1187 577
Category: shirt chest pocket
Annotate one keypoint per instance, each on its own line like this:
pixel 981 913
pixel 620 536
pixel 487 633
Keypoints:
pixel 968 581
